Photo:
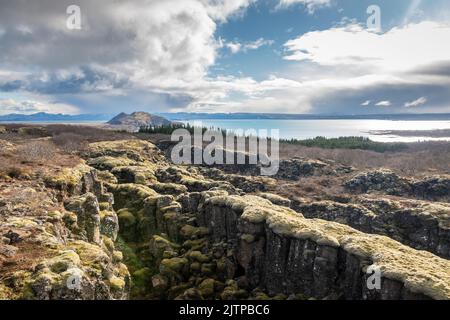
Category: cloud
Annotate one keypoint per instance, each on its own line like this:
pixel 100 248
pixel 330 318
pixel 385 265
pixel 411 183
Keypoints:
pixel 384 103
pixel 311 5
pixel 155 47
pixel 355 45
pixel 28 107
pixel 416 103
pixel 366 103
pixel 147 40
pixel 391 64
pixel 236 47
pixel 156 55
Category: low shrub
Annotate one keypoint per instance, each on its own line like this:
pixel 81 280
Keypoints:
pixel 360 143
pixel 36 151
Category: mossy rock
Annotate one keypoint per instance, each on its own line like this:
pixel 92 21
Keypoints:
pixel 63 262
pixel 104 206
pixel 196 245
pixel 206 288
pixel 161 248
pixel 173 265
pixel 117 256
pixel 127 223
pixel 67 179
pixel 249 238
pixel 91 256
pixel 142 175
pixel 109 224
pixel 208 269
pixel 198 256
pixel 190 232
pixel 195 267
pixel 107 177
pixel 169 188
pixel 108 243
pixel 116 284
pixel 107 163
pixel 131 195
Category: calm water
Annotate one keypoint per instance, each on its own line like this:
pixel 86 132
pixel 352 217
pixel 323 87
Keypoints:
pixel 305 129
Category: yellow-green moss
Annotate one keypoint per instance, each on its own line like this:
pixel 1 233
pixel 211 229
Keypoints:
pixel 420 271
pixel 116 284
pixel 109 163
pixel 198 256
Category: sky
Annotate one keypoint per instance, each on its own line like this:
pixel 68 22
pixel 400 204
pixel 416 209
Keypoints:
pixel 262 56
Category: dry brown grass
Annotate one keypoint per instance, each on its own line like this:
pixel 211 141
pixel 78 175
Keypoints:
pixel 87 133
pixel 36 151
pixel 70 142
pixel 33 158
pixel 315 188
pixel 420 158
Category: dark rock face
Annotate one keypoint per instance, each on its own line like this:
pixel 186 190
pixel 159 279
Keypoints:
pixel 379 180
pixel 421 226
pixel 296 168
pixel 435 188
pixel 283 264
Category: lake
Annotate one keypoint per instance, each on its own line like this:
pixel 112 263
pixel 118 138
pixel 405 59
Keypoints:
pixel 306 129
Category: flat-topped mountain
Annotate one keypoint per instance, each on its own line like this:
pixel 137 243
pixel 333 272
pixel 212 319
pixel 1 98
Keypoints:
pixel 139 119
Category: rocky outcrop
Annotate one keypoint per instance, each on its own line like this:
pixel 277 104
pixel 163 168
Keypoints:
pixel 421 225
pixel 284 252
pixel 385 181
pixel 296 168
pixel 435 188
pixel 127 223
pixel 48 252
pixel 205 243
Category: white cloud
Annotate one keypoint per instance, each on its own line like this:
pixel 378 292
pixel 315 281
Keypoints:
pixel 146 40
pixel 311 5
pixel 167 47
pixel 30 106
pixel 385 103
pixel 366 103
pixel 236 47
pixel 416 103
pixel 223 9
pixel 396 50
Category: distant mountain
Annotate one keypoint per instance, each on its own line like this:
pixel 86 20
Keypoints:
pixel 277 116
pixel 138 119
pixel 142 118
pixel 48 117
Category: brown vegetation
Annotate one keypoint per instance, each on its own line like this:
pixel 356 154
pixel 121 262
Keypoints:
pixel 420 158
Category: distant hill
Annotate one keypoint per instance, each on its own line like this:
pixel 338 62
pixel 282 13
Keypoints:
pixel 139 119
pixel 48 117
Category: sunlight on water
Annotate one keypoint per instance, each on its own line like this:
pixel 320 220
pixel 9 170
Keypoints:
pixel 306 129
